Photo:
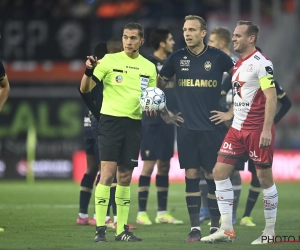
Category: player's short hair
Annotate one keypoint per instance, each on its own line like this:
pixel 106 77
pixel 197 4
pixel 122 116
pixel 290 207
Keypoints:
pixel 253 29
pixel 200 19
pixel 100 50
pixel 157 36
pixel 114 45
pixel 222 33
pixel 135 26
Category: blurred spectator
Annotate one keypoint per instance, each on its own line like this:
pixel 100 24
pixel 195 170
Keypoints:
pixel 80 9
pixel 42 8
pixel 289 5
pixel 19 9
pixel 119 8
pixel 62 9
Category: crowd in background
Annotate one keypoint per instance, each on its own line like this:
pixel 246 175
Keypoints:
pixel 20 9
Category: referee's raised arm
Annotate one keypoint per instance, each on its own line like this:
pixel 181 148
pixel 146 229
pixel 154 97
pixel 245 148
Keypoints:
pixel 87 83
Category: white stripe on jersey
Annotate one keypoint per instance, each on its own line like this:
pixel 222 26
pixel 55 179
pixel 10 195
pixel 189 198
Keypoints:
pixel 249 99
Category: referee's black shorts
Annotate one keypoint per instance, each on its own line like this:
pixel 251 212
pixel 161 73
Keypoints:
pixel 119 140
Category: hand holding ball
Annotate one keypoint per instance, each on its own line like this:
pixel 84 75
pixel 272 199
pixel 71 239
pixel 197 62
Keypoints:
pixel 152 99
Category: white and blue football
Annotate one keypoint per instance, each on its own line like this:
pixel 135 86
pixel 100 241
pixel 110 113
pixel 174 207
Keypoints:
pixel 153 99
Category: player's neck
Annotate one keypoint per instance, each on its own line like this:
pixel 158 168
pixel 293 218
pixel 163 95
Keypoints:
pixel 132 55
pixel 197 49
pixel 247 52
pixel 160 54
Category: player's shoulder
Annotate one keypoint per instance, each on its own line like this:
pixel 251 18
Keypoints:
pixel 145 61
pixel 179 53
pixel 154 60
pixel 215 51
pixel 234 58
pixel 260 59
pixel 113 56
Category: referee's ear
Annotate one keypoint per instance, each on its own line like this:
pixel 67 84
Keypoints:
pixel 142 41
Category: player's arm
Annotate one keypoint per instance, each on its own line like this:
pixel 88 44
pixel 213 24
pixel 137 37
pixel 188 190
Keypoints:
pixel 165 74
pixel 230 72
pixel 268 87
pixel 226 85
pixel 285 103
pixel 161 82
pixel 87 83
pixel 219 117
pixel 4 86
pixel 165 114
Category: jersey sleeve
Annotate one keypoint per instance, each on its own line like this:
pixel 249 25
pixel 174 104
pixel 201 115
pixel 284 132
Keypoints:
pixel 168 69
pixel 102 68
pixel 225 62
pixel 226 85
pixel 279 91
pixel 265 75
pixel 2 71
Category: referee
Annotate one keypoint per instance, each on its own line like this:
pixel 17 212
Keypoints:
pixel 125 75
pixel 4 86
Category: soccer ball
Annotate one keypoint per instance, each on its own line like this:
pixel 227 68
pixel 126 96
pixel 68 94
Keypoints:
pixel 153 99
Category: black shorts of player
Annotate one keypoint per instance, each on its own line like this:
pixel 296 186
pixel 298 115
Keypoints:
pixel 198 148
pixel 89 141
pixel 240 166
pixel 120 140
pixel 94 130
pixel 251 166
pixel 157 142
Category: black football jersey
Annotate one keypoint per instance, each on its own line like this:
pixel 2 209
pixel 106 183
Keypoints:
pixel 198 84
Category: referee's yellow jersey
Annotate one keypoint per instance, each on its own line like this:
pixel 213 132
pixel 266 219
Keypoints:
pixel 124 79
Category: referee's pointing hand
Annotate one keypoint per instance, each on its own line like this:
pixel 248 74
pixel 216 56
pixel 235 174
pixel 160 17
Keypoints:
pixel 91 62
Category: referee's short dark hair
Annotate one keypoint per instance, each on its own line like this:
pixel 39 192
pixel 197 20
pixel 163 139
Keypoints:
pixel 135 26
pixel 157 36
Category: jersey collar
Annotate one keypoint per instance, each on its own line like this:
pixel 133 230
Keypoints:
pixel 249 56
pixel 204 49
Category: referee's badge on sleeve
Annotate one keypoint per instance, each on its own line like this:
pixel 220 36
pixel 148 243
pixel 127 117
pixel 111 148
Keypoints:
pixel 144 82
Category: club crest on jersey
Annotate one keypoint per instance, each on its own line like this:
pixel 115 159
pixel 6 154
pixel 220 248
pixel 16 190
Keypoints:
pixel 119 79
pixel 250 68
pixel 207 65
